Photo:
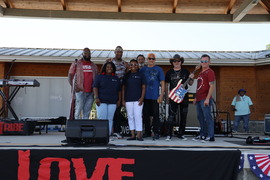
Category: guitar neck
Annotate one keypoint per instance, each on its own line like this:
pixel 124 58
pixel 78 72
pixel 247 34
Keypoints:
pixel 188 79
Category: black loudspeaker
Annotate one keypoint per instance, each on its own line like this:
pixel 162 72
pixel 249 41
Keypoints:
pixel 85 131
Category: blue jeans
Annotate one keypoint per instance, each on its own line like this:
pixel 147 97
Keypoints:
pixel 106 111
pixel 84 103
pixel 237 119
pixel 205 118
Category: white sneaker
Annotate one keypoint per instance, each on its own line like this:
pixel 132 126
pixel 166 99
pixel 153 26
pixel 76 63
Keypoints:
pixel 117 135
pixel 196 138
pixel 182 138
pixel 208 139
pixel 205 140
pixel 169 138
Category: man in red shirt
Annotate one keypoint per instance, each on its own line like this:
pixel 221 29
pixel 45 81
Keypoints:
pixel 203 100
pixel 82 74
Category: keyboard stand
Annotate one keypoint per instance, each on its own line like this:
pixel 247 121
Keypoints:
pixel 8 102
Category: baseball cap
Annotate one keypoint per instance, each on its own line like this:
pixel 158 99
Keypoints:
pixel 242 90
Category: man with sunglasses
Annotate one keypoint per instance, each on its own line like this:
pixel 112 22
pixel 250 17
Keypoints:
pixel 204 101
pixel 154 77
pixel 172 78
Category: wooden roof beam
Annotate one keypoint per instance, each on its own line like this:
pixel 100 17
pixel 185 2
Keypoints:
pixel 119 4
pixel 175 3
pixel 64 5
pixel 266 5
pixel 178 17
pixel 9 4
pixel 243 9
pixel 230 6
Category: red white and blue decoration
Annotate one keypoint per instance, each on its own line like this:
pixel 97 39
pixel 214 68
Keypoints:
pixel 177 94
pixel 241 164
pixel 260 165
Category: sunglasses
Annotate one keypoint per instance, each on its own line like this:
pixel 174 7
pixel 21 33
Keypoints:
pixel 176 60
pixel 204 61
pixel 152 58
pixel 133 64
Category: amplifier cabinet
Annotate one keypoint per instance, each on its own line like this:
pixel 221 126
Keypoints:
pixel 85 131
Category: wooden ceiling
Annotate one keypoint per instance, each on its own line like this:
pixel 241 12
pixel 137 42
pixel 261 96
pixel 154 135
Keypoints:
pixel 166 10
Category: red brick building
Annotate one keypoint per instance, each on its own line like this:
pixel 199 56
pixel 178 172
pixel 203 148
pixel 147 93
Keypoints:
pixel 234 70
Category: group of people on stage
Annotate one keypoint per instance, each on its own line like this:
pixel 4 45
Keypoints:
pixel 140 87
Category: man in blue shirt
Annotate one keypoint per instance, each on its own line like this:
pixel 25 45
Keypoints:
pixel 154 77
pixel 241 105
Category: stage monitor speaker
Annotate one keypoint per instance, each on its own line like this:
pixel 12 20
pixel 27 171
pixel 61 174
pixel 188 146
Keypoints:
pixel 86 131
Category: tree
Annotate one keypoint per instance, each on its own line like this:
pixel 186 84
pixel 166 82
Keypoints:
pixel 268 47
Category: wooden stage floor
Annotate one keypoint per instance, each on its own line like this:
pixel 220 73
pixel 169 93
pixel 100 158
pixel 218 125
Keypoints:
pixel 53 139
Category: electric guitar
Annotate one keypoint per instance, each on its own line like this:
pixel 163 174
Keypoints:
pixel 178 93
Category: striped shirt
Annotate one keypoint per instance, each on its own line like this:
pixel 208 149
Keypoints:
pixel 120 68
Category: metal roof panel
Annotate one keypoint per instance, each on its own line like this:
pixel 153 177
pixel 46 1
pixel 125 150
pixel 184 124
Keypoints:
pixel 61 55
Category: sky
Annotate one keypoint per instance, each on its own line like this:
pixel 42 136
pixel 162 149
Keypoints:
pixel 132 35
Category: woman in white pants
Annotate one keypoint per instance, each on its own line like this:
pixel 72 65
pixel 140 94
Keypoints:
pixel 133 91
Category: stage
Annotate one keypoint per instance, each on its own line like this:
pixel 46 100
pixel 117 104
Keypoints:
pixel 51 141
